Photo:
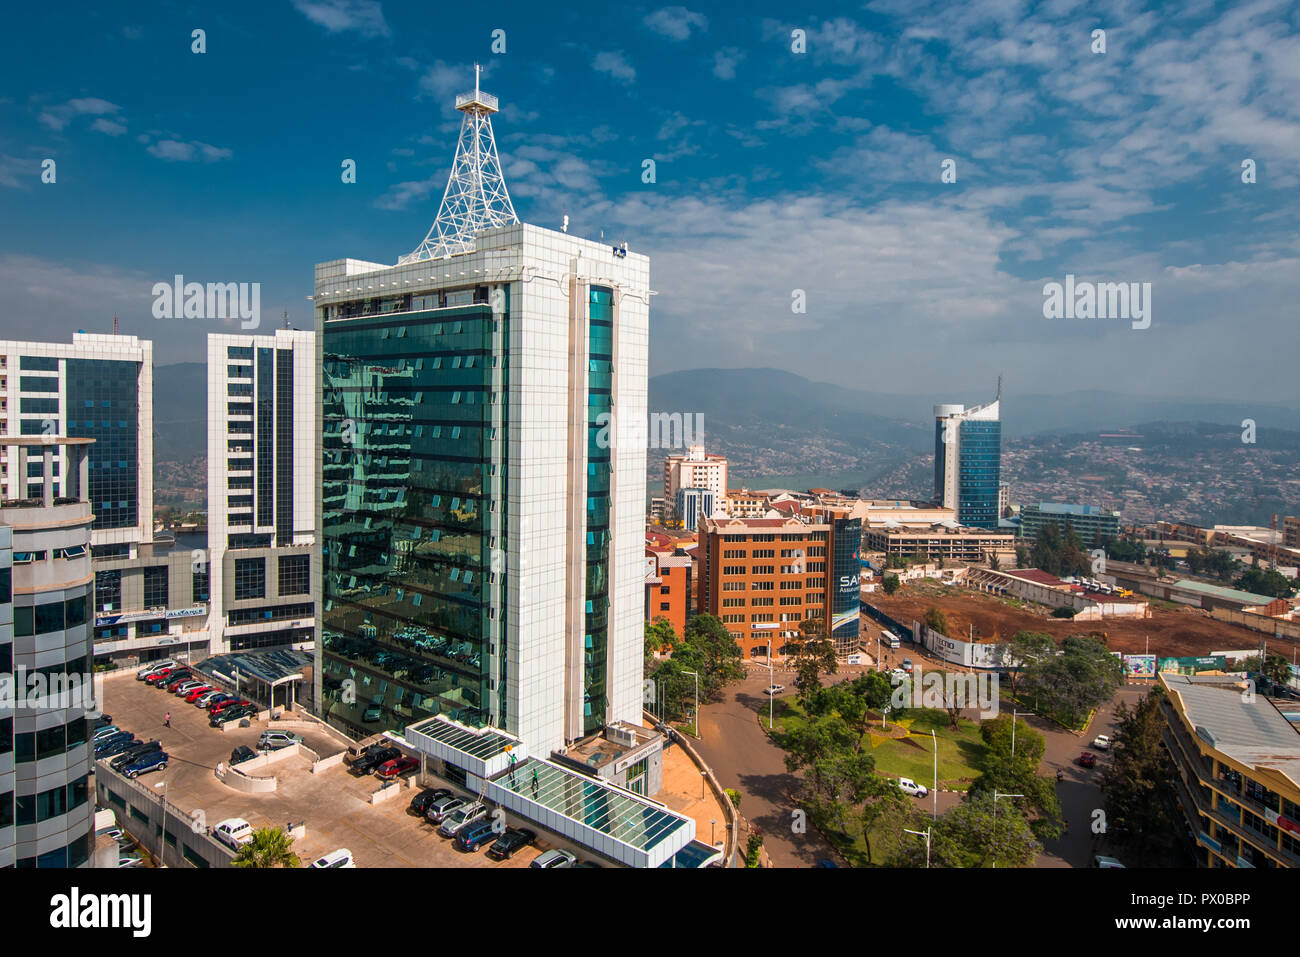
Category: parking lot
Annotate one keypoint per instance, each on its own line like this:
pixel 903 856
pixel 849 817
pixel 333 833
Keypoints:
pixel 333 804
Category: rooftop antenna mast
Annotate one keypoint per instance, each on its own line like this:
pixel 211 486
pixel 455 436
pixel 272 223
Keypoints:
pixel 476 197
pixel 114 323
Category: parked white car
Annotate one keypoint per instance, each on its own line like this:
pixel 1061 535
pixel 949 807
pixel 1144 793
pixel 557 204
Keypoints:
pixel 908 786
pixel 234 832
pixel 340 858
pixel 773 689
pixel 153 666
pixel 1101 742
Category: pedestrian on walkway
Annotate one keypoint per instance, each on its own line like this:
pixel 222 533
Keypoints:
pixel 167 720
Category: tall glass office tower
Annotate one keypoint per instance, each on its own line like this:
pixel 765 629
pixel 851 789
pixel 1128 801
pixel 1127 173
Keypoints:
pixel 100 387
pixel 968 462
pixel 483 474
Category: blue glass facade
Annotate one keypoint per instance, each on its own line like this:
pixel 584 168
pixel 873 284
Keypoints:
pixel 600 326
pixel 411 600
pixel 979 474
pixel 103 404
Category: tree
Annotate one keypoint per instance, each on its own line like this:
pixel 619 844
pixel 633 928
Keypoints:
pixel 976 833
pixel 1021 650
pixel 890 583
pixel 1022 556
pixel 936 620
pixel 270 847
pixel 1068 685
pixel 708 649
pixel 659 637
pixel 814 653
pixel 1274 667
pixel 1018 773
pixel 1137 787
pixel 1271 583
pixel 886 810
pixel 995 563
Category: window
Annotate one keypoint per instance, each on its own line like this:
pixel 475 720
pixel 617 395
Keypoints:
pixel 155 586
pixel 108 590
pixel 49 617
pixel 763 570
pixel 295 574
pixel 250 578
pixel 199 584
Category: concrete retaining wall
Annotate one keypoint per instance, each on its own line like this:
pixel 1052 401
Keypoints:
pixel 144 814
pixel 728 809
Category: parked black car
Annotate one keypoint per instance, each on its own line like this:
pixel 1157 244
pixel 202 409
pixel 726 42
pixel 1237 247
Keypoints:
pixel 103 744
pixel 137 750
pixel 233 713
pixel 373 759
pixel 514 839
pixel 116 747
pixel 241 754
pixel 103 721
pixel 420 803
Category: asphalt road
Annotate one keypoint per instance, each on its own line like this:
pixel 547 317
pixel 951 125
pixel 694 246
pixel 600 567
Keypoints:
pixel 744 758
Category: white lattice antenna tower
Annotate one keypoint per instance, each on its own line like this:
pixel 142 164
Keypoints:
pixel 476 196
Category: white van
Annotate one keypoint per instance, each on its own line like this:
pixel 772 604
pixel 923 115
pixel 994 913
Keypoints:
pixel 234 832
pixel 891 639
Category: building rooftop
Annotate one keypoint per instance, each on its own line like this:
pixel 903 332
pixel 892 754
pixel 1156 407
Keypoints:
pixel 1253 733
pixel 1220 591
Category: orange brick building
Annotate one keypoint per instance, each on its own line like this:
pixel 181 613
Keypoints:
pixel 668 588
pixel 762 577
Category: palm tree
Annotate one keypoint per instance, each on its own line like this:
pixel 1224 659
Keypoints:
pixel 270 847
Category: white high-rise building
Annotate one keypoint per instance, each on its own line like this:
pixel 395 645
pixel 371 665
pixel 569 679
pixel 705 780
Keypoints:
pixel 100 387
pixel 695 470
pixel 967 461
pixel 262 558
pixel 483 486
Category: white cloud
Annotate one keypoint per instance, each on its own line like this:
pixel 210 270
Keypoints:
pixel 401 195
pixel 58 117
pixel 188 152
pixel 339 16
pixel 111 127
pixel 676 23
pixel 615 64
pixel 725 63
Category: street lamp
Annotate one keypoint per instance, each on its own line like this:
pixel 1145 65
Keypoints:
pixel 697 701
pixel 771 683
pixel 925 834
pixel 704 776
pixel 1015 714
pixel 884 717
pixel 996 796
pixel 935 790
pixel 161 787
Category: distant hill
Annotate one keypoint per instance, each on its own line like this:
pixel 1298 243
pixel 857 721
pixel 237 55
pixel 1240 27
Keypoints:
pixel 769 422
pixel 180 411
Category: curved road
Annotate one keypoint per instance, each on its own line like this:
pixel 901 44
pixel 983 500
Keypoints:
pixel 743 757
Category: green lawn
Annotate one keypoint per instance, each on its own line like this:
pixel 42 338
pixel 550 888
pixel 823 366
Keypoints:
pixel 913 756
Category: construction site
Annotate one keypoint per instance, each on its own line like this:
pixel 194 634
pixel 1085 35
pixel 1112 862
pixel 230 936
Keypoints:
pixel 1170 630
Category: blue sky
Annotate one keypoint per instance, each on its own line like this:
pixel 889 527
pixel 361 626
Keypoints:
pixel 776 171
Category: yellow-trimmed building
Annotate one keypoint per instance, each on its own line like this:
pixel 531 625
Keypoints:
pixel 1238 762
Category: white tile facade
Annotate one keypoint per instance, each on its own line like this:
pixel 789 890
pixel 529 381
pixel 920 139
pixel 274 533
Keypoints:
pixel 539 267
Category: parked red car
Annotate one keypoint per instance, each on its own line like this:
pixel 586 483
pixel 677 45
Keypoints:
pixel 228 703
pixel 1087 759
pixel 390 769
pixel 197 693
pixel 171 684
pixel 158 676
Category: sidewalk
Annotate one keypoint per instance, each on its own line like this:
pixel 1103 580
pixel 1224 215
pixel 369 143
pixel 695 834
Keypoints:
pixel 681 792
